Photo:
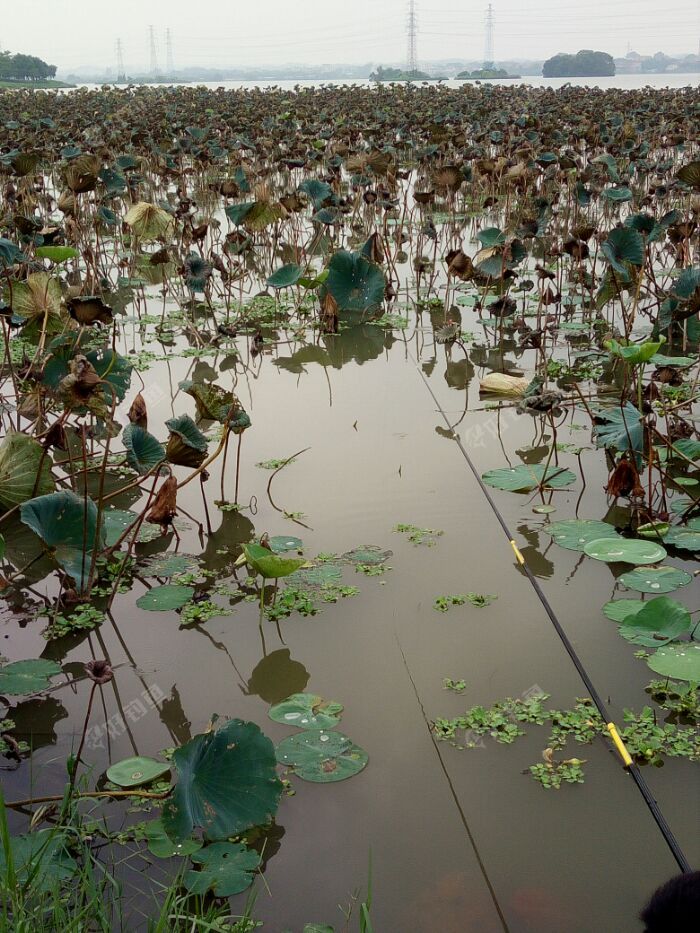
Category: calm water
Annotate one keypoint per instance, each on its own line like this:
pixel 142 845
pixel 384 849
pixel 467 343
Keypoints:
pixel 626 82
pixel 460 840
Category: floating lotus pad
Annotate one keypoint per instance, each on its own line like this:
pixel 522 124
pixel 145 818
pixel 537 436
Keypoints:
pixel 525 478
pixel 162 846
pixel 655 579
pixel 624 550
pixel 227 868
pixel 280 544
pixel 620 609
pixel 685 537
pixel 167 597
pixel 682 662
pixel 322 757
pixel 26 677
pixel 133 772
pixel 575 534
pixel 307 711
pixel 370 554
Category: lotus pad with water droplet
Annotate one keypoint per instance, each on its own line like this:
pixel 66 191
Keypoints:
pixel 321 757
pixel 132 772
pixel 307 711
pixel 624 550
pixel 682 662
pixel 575 534
pixel 655 579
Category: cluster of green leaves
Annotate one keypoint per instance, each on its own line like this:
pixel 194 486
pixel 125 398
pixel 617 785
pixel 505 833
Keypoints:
pixel 501 721
pixel 418 535
pixel 443 603
pixel 557 773
pixel 83 618
pixel 650 741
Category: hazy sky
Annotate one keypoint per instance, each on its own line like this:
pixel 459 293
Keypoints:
pixel 220 33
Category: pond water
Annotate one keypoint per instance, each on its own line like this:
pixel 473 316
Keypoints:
pixel 453 839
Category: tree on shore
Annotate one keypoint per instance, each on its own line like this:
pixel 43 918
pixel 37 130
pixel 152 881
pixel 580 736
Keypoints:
pixel 21 67
pixel 585 64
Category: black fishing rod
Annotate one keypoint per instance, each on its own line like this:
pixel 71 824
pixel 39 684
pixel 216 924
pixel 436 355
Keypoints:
pixel 627 759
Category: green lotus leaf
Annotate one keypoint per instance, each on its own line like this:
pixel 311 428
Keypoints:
pixel 624 244
pixel 168 565
pixel 227 782
pixel 369 554
pixel 576 533
pixel 324 574
pixel 625 550
pixel 136 771
pixel 57 254
pixel 165 598
pixel 162 846
pixel 318 191
pixel 635 353
pixel 525 478
pixel 143 451
pixel 237 213
pixel 68 525
pixel 307 711
pixel 618 195
pixel 269 565
pixel 322 757
pixel 280 544
pixel 227 868
pixel 285 277
pixel 685 537
pixel 660 620
pixel 149 222
pixel 620 609
pixel 9 253
pixel 262 215
pixel 40 861
pixel 116 521
pixel 26 677
pixel 25 470
pixel 491 236
pixel 682 662
pixel 655 579
pixel 356 283
pixel 187 445
pixel 215 403
pixel 620 429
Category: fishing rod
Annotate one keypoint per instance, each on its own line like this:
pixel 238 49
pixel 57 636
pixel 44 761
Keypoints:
pixel 628 763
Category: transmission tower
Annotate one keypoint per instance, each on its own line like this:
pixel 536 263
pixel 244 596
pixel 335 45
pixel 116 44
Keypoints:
pixel 488 44
pixel 412 57
pixel 170 66
pixel 121 70
pixel 154 55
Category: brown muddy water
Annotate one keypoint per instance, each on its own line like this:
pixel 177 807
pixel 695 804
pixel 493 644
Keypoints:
pixel 459 840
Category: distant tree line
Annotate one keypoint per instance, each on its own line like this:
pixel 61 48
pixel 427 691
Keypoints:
pixel 585 64
pixel 24 68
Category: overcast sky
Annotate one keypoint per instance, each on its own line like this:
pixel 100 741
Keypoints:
pixel 220 33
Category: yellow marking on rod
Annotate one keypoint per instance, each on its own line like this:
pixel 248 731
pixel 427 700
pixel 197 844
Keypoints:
pixel 619 744
pixel 521 559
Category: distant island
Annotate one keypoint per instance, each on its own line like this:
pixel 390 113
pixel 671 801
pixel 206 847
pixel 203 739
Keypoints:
pixel 398 74
pixel 21 70
pixel 485 74
pixel 585 64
